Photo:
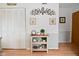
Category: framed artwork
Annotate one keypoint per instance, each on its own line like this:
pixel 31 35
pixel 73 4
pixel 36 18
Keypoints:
pixel 52 21
pixel 32 21
pixel 62 19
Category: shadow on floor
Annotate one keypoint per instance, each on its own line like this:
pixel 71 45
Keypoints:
pixel 75 49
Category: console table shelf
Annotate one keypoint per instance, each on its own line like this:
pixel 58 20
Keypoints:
pixel 39 43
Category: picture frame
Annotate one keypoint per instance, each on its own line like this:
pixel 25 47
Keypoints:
pixel 32 21
pixel 52 21
pixel 62 19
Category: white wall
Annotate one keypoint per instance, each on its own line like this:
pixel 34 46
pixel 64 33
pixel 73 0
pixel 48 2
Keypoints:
pixel 0 31
pixel 42 22
pixel 65 29
pixel 65 10
pixel 0 25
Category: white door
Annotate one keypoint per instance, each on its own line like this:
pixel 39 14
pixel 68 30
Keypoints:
pixel 13 28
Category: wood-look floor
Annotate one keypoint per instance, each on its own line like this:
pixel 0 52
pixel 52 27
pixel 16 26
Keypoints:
pixel 64 50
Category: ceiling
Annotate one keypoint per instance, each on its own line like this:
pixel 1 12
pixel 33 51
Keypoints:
pixel 68 5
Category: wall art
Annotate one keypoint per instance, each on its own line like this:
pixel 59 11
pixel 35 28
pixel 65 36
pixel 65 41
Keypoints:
pixel 52 21
pixel 62 19
pixel 43 11
pixel 32 21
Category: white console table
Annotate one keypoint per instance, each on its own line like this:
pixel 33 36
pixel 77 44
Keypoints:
pixel 39 43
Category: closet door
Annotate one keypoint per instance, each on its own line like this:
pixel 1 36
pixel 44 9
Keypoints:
pixel 75 28
pixel 13 28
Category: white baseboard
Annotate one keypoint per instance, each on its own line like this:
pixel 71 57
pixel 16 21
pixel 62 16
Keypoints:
pixel 65 42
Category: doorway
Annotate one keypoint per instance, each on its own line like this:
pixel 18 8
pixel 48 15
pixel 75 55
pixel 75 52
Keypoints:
pixel 13 27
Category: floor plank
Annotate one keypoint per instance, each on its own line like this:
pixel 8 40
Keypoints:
pixel 64 50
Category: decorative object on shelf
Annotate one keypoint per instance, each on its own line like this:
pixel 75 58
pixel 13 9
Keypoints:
pixel 35 39
pixel 62 19
pixel 35 47
pixel 52 21
pixel 32 21
pixel 43 11
pixel 44 39
pixel 39 45
pixel 42 31
pixel 40 40
pixel 38 33
pixel 43 46
pixel 33 32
